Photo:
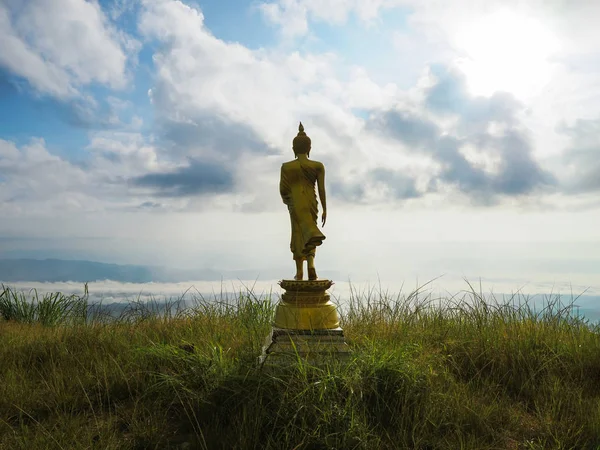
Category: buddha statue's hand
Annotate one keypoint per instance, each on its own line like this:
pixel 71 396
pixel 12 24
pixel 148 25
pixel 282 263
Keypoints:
pixel 324 218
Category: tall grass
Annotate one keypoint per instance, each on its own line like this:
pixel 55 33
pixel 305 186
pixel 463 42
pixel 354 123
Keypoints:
pixel 53 309
pixel 425 373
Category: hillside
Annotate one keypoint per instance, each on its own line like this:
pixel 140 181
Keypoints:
pixel 55 270
pixel 474 376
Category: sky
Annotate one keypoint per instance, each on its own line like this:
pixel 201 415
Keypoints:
pixel 460 139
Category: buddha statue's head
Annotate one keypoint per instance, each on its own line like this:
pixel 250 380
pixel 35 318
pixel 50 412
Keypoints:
pixel 301 143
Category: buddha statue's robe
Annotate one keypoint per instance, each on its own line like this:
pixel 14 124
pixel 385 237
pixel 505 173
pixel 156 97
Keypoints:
pixel 297 189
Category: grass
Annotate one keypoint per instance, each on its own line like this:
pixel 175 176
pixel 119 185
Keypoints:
pixel 469 374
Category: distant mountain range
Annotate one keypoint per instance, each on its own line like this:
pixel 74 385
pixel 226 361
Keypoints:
pixel 55 270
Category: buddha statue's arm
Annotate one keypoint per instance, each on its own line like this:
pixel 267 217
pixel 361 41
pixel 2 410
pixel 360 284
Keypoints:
pixel 321 188
pixel 284 188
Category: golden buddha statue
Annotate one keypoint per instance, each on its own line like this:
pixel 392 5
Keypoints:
pixel 297 189
pixel 305 321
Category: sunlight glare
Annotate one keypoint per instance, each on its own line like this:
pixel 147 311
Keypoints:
pixel 507 52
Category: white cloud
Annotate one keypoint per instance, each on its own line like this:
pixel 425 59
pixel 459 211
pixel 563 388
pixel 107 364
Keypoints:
pixel 198 72
pixel 207 87
pixel 34 176
pixel 267 92
pixel 62 45
pixel 293 15
pixel 38 183
pixel 231 104
pixel 543 267
pixel 200 76
pixel 557 82
pixel 20 58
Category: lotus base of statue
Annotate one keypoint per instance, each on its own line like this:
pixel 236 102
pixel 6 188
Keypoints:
pixel 305 305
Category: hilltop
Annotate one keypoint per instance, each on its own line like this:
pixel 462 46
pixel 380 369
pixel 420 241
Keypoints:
pixel 472 376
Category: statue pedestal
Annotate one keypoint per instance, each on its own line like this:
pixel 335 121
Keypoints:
pixel 306 325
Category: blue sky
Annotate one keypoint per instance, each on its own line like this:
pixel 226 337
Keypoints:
pixel 139 131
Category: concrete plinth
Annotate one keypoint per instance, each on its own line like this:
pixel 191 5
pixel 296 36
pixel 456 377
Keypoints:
pixel 317 347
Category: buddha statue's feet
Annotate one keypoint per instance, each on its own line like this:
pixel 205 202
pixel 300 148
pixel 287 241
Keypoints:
pixel 312 273
pixel 299 276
